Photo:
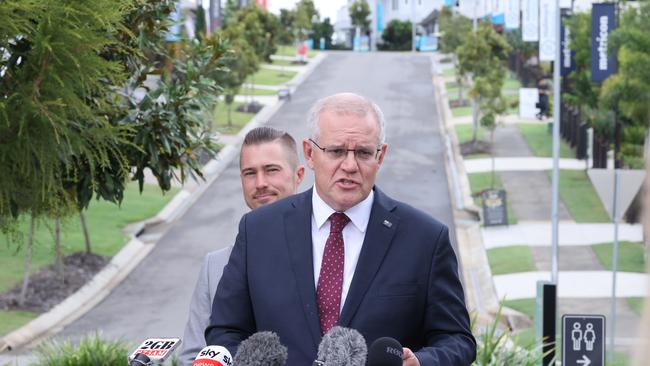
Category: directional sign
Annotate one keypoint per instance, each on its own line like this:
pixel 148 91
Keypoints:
pixel 583 340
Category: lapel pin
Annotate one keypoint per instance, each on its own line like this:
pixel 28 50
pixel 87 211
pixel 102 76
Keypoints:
pixel 387 223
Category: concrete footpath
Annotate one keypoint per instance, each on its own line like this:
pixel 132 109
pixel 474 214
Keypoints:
pixel 584 286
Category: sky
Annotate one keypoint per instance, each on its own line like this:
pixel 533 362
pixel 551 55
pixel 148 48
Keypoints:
pixel 326 8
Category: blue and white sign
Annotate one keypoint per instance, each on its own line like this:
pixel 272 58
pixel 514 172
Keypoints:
pixel 568 62
pixel 603 57
pixel 428 43
pixel 547 30
pixel 380 17
pixel 512 14
pixel 530 20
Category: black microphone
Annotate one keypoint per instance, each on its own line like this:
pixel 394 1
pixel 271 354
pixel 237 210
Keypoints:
pixel 261 349
pixel 342 347
pixel 385 351
pixel 153 350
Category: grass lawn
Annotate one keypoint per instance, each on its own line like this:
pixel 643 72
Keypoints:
pixel 11 320
pixel 464 132
pixel 283 63
pixel 511 259
pixel 452 85
pixel 511 84
pixel 105 222
pixel 541 142
pixel 636 303
pixel 580 197
pixel 449 72
pixel 452 94
pixel 257 91
pixel 631 256
pixel 239 119
pixel 525 306
pixel 481 181
pixel 290 50
pixel 270 77
pixel 461 111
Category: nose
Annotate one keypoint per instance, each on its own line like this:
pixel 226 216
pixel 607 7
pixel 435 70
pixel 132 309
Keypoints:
pixel 260 180
pixel 349 163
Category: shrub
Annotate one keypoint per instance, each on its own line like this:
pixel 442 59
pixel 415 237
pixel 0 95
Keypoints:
pixel 91 351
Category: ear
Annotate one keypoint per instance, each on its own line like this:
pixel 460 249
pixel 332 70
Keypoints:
pixel 300 174
pixel 382 153
pixel 308 151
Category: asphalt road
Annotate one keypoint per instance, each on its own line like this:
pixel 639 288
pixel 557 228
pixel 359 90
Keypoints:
pixel 153 300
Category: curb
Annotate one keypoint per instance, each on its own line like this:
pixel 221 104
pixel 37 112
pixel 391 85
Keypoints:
pixel 121 265
pixel 480 292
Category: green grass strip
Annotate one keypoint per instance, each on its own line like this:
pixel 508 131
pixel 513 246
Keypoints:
pixel 511 259
pixel 238 119
pixel 636 303
pixel 461 111
pixel 481 181
pixel 580 197
pixel 540 140
pixel 290 50
pixel 105 220
pixel 270 77
pixel 631 256
pixel 11 320
pixel 525 306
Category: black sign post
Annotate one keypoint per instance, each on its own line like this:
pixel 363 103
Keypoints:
pixel 583 340
pixel 494 207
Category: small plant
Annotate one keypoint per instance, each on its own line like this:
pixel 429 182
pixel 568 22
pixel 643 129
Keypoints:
pixel 91 351
pixel 495 348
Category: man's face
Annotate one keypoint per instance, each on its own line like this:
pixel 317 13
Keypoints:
pixel 344 182
pixel 266 175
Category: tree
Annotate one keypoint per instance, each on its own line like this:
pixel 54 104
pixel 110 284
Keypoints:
pixel 287 28
pixel 455 29
pixel 397 36
pixel 306 16
pixel 482 55
pixel 359 15
pixel 628 91
pixel 323 30
pixel 259 30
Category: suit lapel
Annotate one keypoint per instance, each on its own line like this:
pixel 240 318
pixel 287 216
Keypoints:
pixel 379 236
pixel 297 225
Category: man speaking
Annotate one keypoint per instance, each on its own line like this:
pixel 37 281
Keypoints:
pixel 344 253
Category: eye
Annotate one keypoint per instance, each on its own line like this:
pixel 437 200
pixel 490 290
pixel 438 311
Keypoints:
pixel 337 152
pixel 364 154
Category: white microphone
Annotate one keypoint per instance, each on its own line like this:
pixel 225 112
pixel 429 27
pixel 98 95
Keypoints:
pixel 213 356
pixel 153 350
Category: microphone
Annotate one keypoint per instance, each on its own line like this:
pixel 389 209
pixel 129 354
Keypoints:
pixel 261 349
pixel 342 347
pixel 153 350
pixel 385 351
pixel 213 356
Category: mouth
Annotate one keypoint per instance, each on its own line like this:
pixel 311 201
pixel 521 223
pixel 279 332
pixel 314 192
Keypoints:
pixel 347 183
pixel 263 196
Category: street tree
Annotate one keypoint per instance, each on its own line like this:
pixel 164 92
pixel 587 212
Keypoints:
pixel 306 16
pixel 482 56
pixel 455 28
pixel 359 15
pixel 397 36
pixel 323 30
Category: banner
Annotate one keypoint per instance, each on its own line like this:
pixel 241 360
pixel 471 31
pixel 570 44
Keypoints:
pixel 603 57
pixel 547 31
pixel 567 56
pixel 512 14
pixel 380 17
pixel 530 20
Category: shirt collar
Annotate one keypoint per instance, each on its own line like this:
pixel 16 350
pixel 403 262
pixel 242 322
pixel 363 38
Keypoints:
pixel 359 214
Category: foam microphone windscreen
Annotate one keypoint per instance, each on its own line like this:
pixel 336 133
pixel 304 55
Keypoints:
pixel 261 349
pixel 342 347
pixel 385 351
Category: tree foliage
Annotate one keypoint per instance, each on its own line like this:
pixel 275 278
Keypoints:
pixel 305 16
pixel 324 30
pixel 259 29
pixel 397 36
pixel 454 28
pixel 359 15
pixel 482 55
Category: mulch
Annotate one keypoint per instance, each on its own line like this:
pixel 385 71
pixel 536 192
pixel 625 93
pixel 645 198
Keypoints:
pixel 46 289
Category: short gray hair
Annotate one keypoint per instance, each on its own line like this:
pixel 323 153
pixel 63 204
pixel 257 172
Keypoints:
pixel 346 103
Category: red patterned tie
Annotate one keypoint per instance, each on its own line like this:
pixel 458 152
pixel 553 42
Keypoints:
pixel 330 281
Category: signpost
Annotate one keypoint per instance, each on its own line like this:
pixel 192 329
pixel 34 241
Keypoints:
pixel 583 340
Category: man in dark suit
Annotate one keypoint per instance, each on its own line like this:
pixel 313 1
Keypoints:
pixel 343 253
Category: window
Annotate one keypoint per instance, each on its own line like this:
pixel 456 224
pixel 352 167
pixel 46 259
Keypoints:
pixel 395 4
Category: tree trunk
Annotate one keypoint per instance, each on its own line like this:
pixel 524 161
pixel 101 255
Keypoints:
pixel 474 120
pixel 493 162
pixel 57 249
pixel 229 106
pixel 28 263
pixel 84 227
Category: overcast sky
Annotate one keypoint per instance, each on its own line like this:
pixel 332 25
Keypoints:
pixel 326 8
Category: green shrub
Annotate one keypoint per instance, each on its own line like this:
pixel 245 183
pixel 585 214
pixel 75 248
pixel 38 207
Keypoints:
pixel 91 351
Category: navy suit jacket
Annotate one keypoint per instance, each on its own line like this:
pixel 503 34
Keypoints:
pixel 405 285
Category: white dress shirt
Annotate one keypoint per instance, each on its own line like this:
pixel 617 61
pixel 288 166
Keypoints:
pixel 353 235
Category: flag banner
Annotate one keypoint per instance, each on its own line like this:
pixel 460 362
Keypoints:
pixel 567 56
pixel 603 57
pixel 547 31
pixel 530 20
pixel 512 14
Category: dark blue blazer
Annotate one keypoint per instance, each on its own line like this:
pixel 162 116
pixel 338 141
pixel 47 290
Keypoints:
pixel 405 285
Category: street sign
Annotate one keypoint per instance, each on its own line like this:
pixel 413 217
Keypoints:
pixel 583 340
